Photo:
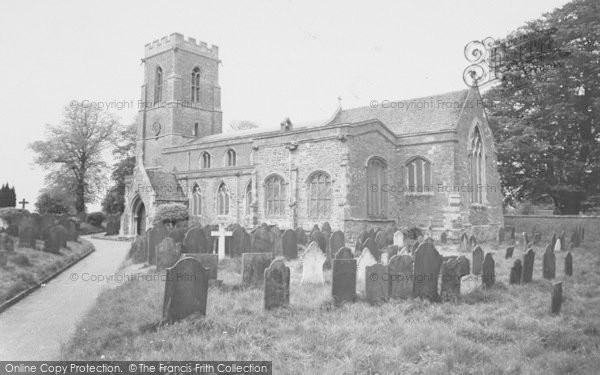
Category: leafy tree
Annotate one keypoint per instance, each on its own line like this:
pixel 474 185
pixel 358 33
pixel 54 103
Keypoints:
pixel 124 153
pixel 55 200
pixel 545 110
pixel 8 197
pixel 73 151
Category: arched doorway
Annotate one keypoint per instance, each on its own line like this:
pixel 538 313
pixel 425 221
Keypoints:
pixel 139 216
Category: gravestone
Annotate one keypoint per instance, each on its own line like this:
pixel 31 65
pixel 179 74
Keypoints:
pixel 472 242
pixel 344 253
pixel 113 225
pixel 469 283
pixel 399 239
pixel 312 265
pixel 553 241
pixel 426 271
pixel 537 237
pixel 372 246
pixel 326 228
pixel 253 268
pixel 557 245
pixel 26 233
pixel 549 263
pixel 221 234
pixel 277 285
pixel 155 236
pixel 365 260
pixel 380 240
pixel 501 235
pixel 57 239
pixel 401 276
pixel 208 261
pixel 444 237
pixel 186 290
pixel 525 240
pixel 261 240
pixel 563 242
pixel 362 237
pixel 301 236
pixel 289 244
pixel 384 258
pixel 240 242
pixel 464 243
pixel 195 241
pixel 569 264
pixel 177 234
pixel 372 233
pixel 528 260
pixel 575 240
pixel 337 241
pixel 556 298
pixel 315 228
pixel 47 222
pixel 6 243
pixel 509 252
pixel 276 240
pixel 377 287
pixel 464 266
pixel 515 272
pixel 166 253
pixel 69 224
pixel 343 279
pixel 488 271
pixel 450 283
pixel 318 237
pixel 477 260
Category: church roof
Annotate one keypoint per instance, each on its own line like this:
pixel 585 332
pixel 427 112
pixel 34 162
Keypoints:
pixel 419 115
pixel 165 186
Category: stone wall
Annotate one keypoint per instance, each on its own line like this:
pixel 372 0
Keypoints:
pixel 547 224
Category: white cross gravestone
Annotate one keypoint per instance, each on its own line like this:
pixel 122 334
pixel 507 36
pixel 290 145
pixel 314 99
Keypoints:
pixel 312 265
pixel 221 233
pixel 365 260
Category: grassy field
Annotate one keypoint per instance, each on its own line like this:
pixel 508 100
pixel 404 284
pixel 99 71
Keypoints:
pixel 27 267
pixel 503 330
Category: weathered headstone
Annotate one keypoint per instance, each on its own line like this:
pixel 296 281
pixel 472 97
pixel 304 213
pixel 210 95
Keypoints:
pixel 399 238
pixel 301 236
pixel 376 284
pixel 450 280
pixel 553 241
pixel 343 279
pixel 326 227
pixel 569 264
pixel 401 276
pixel 380 239
pixel 464 266
pixel 444 237
pixel 464 242
pixel 469 283
pixel 289 244
pixel 26 233
pixel 515 272
pixel 177 234
pixel 253 268
pixel 477 260
pixel 277 285
pixel 528 260
pixel 362 237
pixel 195 241
pixel 556 297
pixel 208 261
pixel 47 222
pixel 336 241
pixel 563 241
pixel 365 260
pixel 426 270
pixel 57 239
pixel 221 234
pixel 509 252
pixel 488 276
pixel 155 236
pixel 166 253
pixel 186 290
pixel 575 240
pixel 312 265
pixel 318 237
pixel 472 242
pixel 240 242
pixel 549 263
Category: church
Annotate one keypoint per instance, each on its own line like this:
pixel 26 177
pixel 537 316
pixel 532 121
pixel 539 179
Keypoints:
pixel 427 162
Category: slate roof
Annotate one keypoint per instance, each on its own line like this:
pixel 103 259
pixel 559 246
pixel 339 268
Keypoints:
pixel 165 185
pixel 419 115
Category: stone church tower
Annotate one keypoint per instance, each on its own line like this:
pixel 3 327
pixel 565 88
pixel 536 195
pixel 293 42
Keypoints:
pixel 182 95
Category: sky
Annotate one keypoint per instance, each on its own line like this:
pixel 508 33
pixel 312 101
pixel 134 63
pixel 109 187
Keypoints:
pixel 279 58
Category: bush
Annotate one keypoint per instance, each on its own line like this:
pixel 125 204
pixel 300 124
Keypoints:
pixel 21 260
pixel 171 214
pixel 95 219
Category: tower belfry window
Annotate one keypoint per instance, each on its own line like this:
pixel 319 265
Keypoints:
pixel 196 85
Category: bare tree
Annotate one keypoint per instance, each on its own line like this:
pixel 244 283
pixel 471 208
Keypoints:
pixel 242 125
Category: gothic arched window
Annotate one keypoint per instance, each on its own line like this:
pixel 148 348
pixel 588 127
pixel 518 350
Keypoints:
pixel 418 175
pixel 319 195
pixel 248 199
pixel 477 156
pixel 274 196
pixel 195 129
pixel 158 85
pixel 231 158
pixel 196 201
pixel 223 200
pixel 376 188
pixel 196 85
pixel 205 160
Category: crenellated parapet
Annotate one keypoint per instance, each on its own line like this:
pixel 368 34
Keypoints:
pixel 178 41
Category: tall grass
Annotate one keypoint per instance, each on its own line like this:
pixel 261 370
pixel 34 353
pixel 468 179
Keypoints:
pixel 504 330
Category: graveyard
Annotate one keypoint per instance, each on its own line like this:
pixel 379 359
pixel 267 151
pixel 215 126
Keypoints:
pixel 289 315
